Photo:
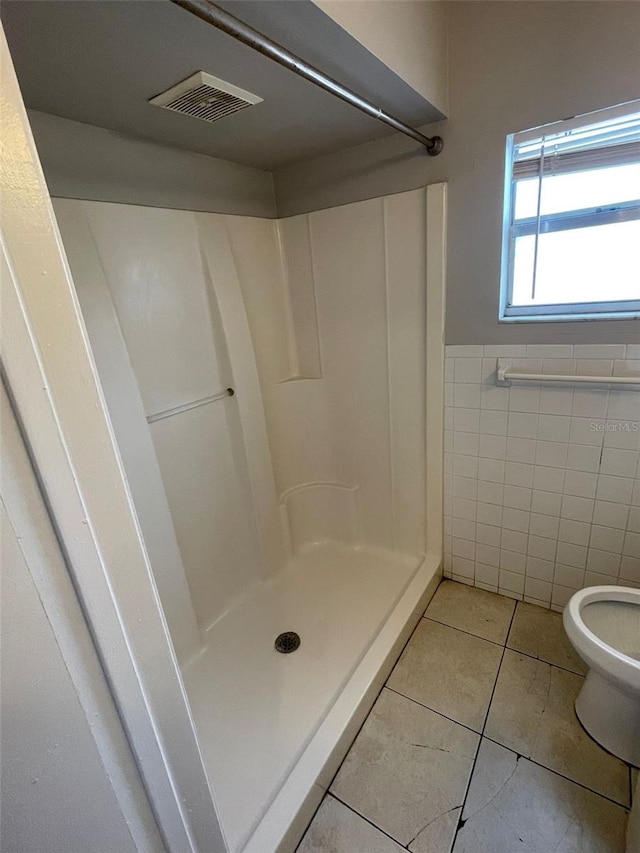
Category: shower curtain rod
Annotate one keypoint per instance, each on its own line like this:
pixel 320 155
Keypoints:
pixel 231 25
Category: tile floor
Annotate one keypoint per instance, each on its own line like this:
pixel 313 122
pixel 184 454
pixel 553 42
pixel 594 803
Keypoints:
pixel 473 745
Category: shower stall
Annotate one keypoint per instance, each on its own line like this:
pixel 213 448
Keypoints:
pixel 275 390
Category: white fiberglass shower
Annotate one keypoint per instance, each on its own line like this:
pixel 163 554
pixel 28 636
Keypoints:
pixel 275 389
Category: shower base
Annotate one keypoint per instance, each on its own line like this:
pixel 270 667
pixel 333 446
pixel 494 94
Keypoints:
pixel 273 728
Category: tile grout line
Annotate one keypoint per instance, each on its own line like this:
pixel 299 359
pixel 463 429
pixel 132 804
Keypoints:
pixel 367 820
pixel 378 694
pixel 548 663
pixel 475 760
pixel 493 740
pixel 462 631
pixel 506 648
pixel 502 645
pixel 328 791
pixel 497 742
pixel 543 766
pixel 433 710
pixel 481 735
pixel 557 773
pixel 551 770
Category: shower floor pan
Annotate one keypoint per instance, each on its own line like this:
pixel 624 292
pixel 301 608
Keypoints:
pixel 273 727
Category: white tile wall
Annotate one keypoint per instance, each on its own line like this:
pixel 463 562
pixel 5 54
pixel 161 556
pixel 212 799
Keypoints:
pixel 542 482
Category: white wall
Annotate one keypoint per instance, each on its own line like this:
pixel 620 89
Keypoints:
pixel 409 36
pixel 69 782
pixel 542 485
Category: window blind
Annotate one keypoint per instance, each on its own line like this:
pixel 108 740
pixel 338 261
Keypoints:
pixel 610 143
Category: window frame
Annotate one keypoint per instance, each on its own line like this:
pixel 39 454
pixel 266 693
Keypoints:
pixel 564 220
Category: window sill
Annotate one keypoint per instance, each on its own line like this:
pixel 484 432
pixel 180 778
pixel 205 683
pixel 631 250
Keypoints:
pixel 569 318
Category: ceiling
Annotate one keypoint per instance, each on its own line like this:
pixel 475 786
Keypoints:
pixel 100 62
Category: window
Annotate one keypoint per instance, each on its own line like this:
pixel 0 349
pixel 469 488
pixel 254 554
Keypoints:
pixel 571 237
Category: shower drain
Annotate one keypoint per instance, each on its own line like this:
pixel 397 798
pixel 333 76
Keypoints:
pixel 287 642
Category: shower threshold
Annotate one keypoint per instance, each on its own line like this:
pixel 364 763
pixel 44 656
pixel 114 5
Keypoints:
pixel 273 728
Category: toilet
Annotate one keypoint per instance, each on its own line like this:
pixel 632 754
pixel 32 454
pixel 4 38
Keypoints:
pixel 603 625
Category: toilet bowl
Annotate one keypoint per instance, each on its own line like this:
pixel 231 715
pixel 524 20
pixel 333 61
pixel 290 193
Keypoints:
pixel 603 625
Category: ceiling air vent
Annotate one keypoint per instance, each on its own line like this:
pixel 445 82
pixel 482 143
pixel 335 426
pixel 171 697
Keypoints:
pixel 205 97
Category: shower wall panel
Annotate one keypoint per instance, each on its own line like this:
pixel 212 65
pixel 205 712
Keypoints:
pixel 127 415
pixel 160 297
pixel 318 323
pixel 344 384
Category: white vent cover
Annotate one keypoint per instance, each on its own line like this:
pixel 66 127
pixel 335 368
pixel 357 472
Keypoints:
pixel 205 97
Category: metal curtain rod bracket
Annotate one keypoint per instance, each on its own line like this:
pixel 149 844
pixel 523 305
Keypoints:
pixel 233 26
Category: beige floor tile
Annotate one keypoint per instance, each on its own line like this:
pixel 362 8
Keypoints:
pixel 336 829
pixel 481 613
pixel 532 713
pixel 539 633
pixel 407 772
pixel 451 672
pixel 515 805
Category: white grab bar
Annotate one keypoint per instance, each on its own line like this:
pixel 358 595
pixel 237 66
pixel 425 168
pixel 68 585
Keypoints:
pixel 505 374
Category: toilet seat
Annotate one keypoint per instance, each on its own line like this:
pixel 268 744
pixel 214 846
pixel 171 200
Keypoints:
pixel 606 659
